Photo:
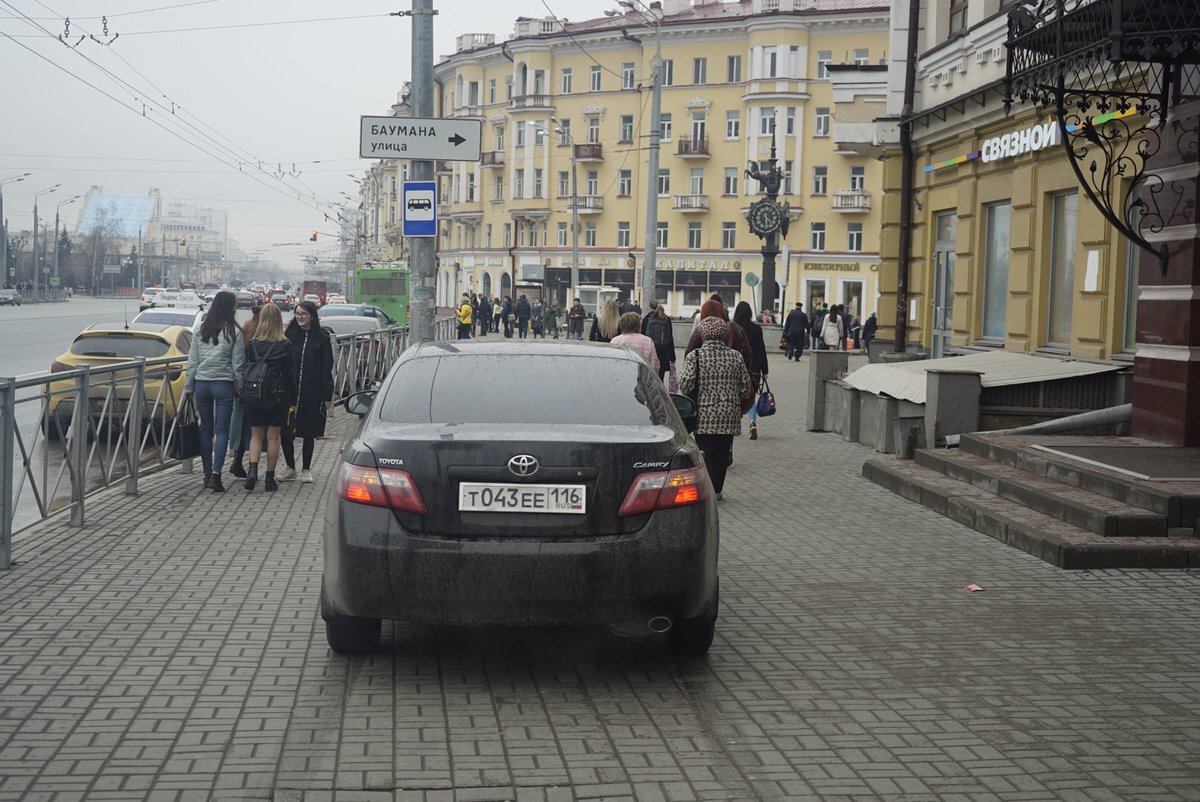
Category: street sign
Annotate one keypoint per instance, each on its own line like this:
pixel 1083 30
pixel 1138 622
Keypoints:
pixel 111 270
pixel 419 204
pixel 751 279
pixel 435 138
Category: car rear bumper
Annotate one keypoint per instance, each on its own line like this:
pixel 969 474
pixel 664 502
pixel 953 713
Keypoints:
pixel 375 569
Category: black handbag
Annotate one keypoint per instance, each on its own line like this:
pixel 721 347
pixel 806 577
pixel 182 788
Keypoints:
pixel 185 440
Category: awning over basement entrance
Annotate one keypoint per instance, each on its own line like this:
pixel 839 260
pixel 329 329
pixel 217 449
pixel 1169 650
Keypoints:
pixel 906 380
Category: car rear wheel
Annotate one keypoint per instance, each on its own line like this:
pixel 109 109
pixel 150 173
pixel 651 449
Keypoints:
pixel 694 636
pixel 348 634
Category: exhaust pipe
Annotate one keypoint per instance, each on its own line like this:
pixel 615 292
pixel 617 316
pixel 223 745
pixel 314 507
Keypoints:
pixel 659 624
pixel 637 629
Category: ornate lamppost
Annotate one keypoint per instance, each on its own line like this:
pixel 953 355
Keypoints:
pixel 768 219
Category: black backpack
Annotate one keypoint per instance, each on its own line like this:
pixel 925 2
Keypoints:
pixel 658 330
pixel 261 388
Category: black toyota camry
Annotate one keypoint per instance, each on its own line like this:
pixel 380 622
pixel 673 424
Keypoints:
pixel 522 484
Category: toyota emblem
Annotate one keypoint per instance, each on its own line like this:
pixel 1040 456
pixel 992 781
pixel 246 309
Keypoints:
pixel 523 465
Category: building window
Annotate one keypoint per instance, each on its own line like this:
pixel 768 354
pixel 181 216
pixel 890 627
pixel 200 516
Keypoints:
pixel 854 237
pixel 507 234
pixel 592 186
pixel 862 57
pixel 728 236
pixel 562 235
pixel 626 133
pixel 520 135
pixel 794 61
pixel 731 181
pixel 627 75
pixel 958 16
pixel 733 69
pixel 1062 268
pixel 824 59
pixel 816 236
pixel 508 89
pixel 593 134
pixel 664 182
pixel 693 297
pixel 492 91
pixel 858 179
pixel 664 127
pixel 500 137
pixel 566 81
pixel 487 236
pixel 770 62
pixel 998 221
pixel 699 70
pixel 589 234
pixel 661 235
pixel 622 235
pixel 766 120
pixel 499 191
pixel 790 120
pixel 787 177
pixel 697 181
pixel 820 185
pixel 733 124
pixel 519 183
pixel 693 239
pixel 625 183
pixel 471 187
pixel 564 131
pixel 564 184
pixel 668 72
pixel 537 182
pixel 595 78
pixel 821 122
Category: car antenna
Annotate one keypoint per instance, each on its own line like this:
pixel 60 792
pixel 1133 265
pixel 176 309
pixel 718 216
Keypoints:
pixel 126 308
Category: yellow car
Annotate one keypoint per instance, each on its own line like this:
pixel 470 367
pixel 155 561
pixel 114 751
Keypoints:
pixel 101 346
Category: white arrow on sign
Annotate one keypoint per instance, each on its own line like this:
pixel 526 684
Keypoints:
pixel 444 139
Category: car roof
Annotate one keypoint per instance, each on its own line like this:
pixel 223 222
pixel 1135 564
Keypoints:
pixel 476 347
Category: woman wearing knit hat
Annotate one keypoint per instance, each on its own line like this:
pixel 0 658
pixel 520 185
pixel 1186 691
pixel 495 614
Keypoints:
pixel 716 376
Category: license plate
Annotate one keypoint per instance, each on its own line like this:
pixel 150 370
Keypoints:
pixel 491 497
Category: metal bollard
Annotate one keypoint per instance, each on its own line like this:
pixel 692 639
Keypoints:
pixel 77 454
pixel 8 432
pixel 133 433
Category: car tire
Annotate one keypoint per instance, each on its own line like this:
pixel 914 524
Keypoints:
pixel 348 634
pixel 692 637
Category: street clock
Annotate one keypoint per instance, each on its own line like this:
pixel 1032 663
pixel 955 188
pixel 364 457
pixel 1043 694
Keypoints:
pixel 765 217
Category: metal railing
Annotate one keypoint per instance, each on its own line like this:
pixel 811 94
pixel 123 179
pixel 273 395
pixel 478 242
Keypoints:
pixel 52 459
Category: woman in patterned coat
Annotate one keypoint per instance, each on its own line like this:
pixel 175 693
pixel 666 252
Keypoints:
pixel 716 376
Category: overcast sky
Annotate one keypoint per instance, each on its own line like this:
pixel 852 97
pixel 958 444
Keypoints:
pixel 283 93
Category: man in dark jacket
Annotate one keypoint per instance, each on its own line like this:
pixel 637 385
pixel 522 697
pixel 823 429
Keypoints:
pixel 524 311
pixel 796 329
pixel 868 332
pixel 506 315
pixel 483 314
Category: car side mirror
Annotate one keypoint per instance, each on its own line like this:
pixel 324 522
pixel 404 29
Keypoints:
pixel 360 403
pixel 688 410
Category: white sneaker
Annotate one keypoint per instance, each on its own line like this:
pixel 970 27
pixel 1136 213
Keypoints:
pixel 288 475
pixel 306 477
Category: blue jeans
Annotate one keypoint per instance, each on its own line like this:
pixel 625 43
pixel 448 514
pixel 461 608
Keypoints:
pixel 215 402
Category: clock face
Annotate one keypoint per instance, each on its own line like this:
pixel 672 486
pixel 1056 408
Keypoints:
pixel 765 218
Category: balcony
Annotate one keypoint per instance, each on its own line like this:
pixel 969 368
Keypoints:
pixel 531 103
pixel 691 204
pixel 474 110
pixel 589 152
pixel 851 201
pixel 692 147
pixel 587 204
pixel 493 158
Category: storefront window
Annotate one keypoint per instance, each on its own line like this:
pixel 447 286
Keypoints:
pixel 1062 268
pixel 995 269
pixel 815 291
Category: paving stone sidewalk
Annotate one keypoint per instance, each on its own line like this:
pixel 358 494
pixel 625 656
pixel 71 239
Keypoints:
pixel 172 650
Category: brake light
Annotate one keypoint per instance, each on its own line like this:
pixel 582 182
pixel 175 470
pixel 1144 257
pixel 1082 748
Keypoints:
pixel 380 487
pixel 664 490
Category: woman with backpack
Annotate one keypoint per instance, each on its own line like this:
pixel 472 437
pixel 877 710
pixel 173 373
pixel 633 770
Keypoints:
pixel 214 371
pixel 606 324
pixel 312 358
pixel 833 333
pixel 657 326
pixel 758 357
pixel 269 386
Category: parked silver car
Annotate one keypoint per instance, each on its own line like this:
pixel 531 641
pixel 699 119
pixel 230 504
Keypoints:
pixel 569 493
pixel 10 298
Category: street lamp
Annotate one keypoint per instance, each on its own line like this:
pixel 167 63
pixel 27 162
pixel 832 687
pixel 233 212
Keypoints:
pixel 651 258
pixel 4 226
pixel 57 240
pixel 37 195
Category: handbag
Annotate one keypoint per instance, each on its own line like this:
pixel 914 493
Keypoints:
pixel 783 343
pixel 185 440
pixel 766 400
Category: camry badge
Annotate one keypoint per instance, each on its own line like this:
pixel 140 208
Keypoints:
pixel 523 465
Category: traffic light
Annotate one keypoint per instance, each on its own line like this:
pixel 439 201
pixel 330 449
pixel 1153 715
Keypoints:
pixel 183 241
pixel 313 235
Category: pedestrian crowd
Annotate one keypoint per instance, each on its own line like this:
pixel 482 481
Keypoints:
pixel 257 388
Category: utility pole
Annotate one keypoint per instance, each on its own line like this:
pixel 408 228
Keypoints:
pixel 4 228
pixel 650 262
pixel 422 249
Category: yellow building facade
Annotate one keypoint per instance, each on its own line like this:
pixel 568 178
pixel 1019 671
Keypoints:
pixel 733 73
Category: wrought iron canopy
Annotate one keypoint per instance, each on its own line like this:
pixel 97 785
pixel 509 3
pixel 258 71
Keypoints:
pixel 1111 71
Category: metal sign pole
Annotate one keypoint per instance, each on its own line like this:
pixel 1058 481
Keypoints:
pixel 422 249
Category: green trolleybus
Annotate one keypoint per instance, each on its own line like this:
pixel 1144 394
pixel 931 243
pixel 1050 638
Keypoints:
pixel 385 287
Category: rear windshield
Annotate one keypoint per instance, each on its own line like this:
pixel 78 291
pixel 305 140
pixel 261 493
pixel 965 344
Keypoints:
pixel 349 324
pixel 121 346
pixel 494 388
pixel 168 318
